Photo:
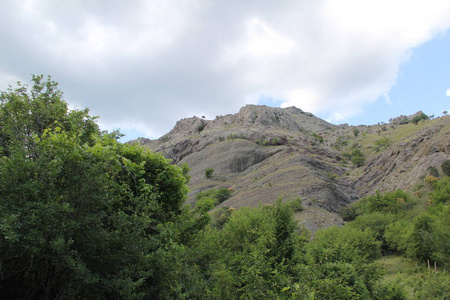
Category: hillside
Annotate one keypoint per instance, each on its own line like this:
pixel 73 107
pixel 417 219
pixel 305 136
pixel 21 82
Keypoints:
pixel 263 153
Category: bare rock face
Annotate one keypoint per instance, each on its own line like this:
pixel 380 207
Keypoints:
pixel 264 153
pixel 406 162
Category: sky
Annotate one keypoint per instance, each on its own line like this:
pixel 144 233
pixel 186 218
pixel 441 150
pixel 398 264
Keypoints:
pixel 143 65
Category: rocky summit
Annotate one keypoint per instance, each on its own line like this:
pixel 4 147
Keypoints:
pixel 264 153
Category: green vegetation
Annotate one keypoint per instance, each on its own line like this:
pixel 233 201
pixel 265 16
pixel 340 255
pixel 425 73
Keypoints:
pixel 201 127
pixel 419 118
pixel 382 144
pixel 341 142
pixel 433 171
pixel 209 172
pixel 357 157
pixel 83 216
pixel 419 231
pixel 446 167
pixel 217 195
pixel 319 138
pixel 275 141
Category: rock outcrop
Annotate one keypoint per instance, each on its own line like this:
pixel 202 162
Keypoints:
pixel 263 153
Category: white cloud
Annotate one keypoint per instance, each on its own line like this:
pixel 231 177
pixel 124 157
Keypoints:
pixel 153 62
pixel 448 92
pixel 387 98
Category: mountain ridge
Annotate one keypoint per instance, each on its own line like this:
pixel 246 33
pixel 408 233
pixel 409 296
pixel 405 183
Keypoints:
pixel 263 153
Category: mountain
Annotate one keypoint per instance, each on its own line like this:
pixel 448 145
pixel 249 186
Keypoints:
pixel 264 153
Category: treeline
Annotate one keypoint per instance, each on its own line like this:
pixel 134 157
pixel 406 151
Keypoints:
pixel 83 216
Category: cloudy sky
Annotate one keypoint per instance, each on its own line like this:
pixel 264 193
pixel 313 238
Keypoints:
pixel 143 65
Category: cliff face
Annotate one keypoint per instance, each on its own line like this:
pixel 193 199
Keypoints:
pixel 264 153
pixel 406 162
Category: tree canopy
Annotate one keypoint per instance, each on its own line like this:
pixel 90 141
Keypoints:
pixel 80 213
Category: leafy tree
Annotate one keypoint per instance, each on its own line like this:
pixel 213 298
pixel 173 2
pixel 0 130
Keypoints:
pixel 420 242
pixel 356 132
pixel 393 202
pixel 377 222
pixel 441 193
pixel 344 258
pixel 81 215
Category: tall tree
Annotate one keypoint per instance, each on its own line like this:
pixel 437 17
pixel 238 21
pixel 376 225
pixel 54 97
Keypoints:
pixel 80 213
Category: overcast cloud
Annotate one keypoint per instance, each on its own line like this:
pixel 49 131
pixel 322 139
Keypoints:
pixel 146 64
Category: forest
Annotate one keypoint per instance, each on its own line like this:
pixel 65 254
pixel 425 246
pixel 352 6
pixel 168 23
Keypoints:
pixel 83 216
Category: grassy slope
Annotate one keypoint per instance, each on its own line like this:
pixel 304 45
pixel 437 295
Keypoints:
pixel 406 272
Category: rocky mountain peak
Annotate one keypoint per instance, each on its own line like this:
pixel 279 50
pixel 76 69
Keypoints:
pixel 263 153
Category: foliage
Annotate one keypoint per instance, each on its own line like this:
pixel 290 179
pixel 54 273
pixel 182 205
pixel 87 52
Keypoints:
pixel 81 214
pixel 209 172
pixel 397 233
pixel 357 157
pixel 441 192
pixel 220 217
pixel 275 141
pixel 201 126
pixel 432 286
pixel 382 144
pixel 419 118
pixel 433 171
pixel 217 195
pixel 430 179
pixel 341 142
pixel 318 137
pixel 446 167
pixel 394 202
pixel 345 257
pixel 377 222
pixel 389 291
pixel 356 132
pixel 295 204
pixel 420 243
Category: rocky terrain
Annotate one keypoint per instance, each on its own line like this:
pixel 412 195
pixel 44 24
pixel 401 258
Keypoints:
pixel 264 153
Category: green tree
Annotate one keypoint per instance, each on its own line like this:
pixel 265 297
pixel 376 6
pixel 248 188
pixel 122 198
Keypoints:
pixel 441 192
pixel 420 243
pixel 81 215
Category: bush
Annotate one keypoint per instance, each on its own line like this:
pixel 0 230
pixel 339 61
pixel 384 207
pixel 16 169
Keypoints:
pixel 432 286
pixel 357 157
pixel 441 193
pixel 382 144
pixel 200 127
pixel 209 172
pixel 219 195
pixel 433 171
pixel 389 291
pixel 419 118
pixel 295 204
pixel 319 138
pixel 446 167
